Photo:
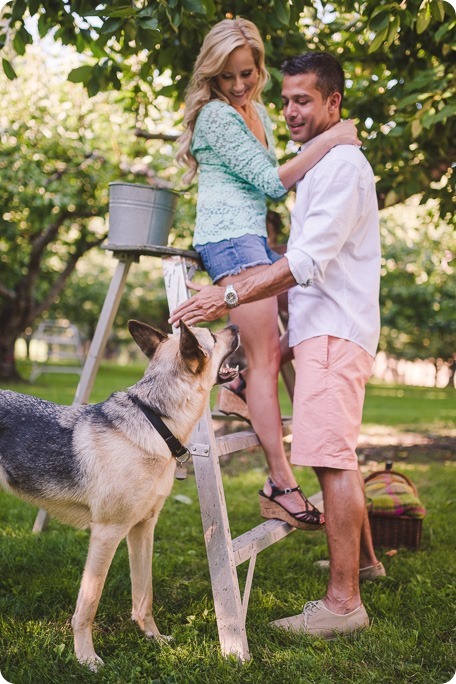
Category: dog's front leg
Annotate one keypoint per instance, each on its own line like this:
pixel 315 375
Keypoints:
pixel 104 540
pixel 140 540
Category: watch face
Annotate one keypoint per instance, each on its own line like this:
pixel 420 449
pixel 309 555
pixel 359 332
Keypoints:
pixel 231 298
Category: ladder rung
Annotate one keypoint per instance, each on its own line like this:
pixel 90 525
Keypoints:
pixel 236 441
pixel 260 537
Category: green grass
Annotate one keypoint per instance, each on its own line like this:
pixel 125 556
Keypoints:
pixel 410 408
pixel 402 407
pixel 411 640
pixel 61 387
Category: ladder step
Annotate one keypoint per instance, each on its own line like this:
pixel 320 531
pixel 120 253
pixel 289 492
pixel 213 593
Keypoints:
pixel 228 444
pixel 267 533
pixel 260 537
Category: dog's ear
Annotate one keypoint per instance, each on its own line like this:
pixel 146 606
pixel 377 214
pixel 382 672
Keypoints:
pixel 146 337
pixel 191 351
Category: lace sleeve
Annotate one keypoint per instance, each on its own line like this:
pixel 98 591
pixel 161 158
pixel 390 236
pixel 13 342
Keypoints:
pixel 222 129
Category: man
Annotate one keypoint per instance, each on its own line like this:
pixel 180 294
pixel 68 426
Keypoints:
pixel 332 269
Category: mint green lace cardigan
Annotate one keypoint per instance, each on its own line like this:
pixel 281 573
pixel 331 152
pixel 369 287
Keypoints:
pixel 236 173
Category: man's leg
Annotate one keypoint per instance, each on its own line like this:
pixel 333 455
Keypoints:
pixel 367 557
pixel 331 374
pixel 343 497
pixel 341 610
pixel 369 566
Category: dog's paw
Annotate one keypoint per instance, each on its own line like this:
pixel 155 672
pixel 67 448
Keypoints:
pixel 163 639
pixel 150 629
pixel 155 634
pixel 92 662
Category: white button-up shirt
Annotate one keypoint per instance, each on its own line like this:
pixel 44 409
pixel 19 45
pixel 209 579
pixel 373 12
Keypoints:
pixel 334 252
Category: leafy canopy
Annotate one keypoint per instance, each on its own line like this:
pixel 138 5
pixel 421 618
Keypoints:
pixel 398 56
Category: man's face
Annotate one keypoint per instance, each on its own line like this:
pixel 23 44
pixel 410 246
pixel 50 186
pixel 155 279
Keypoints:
pixel 305 111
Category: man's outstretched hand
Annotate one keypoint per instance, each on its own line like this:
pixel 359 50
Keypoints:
pixel 207 305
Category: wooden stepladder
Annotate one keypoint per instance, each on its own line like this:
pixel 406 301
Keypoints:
pixel 224 553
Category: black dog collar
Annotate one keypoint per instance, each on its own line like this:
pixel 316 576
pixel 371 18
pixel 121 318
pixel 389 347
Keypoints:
pixel 178 450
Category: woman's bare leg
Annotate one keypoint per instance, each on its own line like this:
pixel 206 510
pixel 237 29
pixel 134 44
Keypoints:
pixel 260 338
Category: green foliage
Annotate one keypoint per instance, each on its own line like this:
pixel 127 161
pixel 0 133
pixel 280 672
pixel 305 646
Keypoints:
pixel 418 285
pixel 403 93
pixel 59 150
pixel 399 58
pixel 59 153
pixel 54 181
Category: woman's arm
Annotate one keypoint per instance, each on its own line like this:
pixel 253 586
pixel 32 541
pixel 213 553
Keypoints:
pixel 342 133
pixel 223 133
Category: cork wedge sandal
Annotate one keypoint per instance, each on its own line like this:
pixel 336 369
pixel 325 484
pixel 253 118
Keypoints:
pixel 308 519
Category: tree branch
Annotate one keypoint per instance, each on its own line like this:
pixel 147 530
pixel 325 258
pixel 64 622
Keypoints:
pixel 171 137
pixel 41 241
pixel 29 280
pixel 60 281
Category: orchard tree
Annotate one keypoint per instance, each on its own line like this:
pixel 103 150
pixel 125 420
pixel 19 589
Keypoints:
pixel 143 299
pixel 399 59
pixel 60 149
pixel 59 152
pixel 418 285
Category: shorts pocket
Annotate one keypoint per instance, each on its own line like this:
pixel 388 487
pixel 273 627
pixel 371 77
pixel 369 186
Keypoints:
pixel 324 350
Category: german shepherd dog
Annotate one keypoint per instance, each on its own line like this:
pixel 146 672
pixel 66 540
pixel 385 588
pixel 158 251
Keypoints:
pixel 104 466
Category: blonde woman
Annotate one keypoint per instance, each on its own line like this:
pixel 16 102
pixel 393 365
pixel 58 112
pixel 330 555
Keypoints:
pixel 228 139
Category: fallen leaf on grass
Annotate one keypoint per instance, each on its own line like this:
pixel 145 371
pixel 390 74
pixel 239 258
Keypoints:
pixel 183 499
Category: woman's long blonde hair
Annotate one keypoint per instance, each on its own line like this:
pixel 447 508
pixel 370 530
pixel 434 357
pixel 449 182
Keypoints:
pixel 218 44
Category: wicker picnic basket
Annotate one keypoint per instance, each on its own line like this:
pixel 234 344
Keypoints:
pixel 395 511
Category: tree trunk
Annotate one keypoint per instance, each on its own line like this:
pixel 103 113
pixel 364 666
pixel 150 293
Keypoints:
pixel 8 368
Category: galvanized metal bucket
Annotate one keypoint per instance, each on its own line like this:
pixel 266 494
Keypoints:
pixel 139 215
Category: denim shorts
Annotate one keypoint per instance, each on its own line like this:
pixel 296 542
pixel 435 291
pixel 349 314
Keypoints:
pixel 230 257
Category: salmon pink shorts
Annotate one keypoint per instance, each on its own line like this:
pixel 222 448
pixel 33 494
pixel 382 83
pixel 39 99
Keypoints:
pixel 331 376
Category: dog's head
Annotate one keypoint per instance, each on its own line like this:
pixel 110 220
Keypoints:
pixel 197 351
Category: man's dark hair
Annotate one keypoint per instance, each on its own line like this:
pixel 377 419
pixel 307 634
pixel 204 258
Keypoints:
pixel 329 73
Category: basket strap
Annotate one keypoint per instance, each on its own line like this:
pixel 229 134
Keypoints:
pixel 381 473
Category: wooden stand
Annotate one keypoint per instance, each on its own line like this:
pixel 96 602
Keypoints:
pixel 224 553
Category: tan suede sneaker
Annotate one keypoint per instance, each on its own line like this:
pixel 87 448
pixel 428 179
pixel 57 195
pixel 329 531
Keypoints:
pixel 317 620
pixel 371 572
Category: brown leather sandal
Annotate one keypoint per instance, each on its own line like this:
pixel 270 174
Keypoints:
pixel 308 519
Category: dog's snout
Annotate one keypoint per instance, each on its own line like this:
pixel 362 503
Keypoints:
pixel 234 328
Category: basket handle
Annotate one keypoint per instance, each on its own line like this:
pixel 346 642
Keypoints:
pixel 392 472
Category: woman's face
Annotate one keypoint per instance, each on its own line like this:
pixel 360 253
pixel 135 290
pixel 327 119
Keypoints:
pixel 239 76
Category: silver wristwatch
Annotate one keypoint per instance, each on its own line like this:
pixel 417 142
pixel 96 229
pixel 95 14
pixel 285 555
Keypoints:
pixel 231 298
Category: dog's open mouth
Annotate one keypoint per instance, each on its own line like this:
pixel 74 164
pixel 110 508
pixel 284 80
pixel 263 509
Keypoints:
pixel 227 373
